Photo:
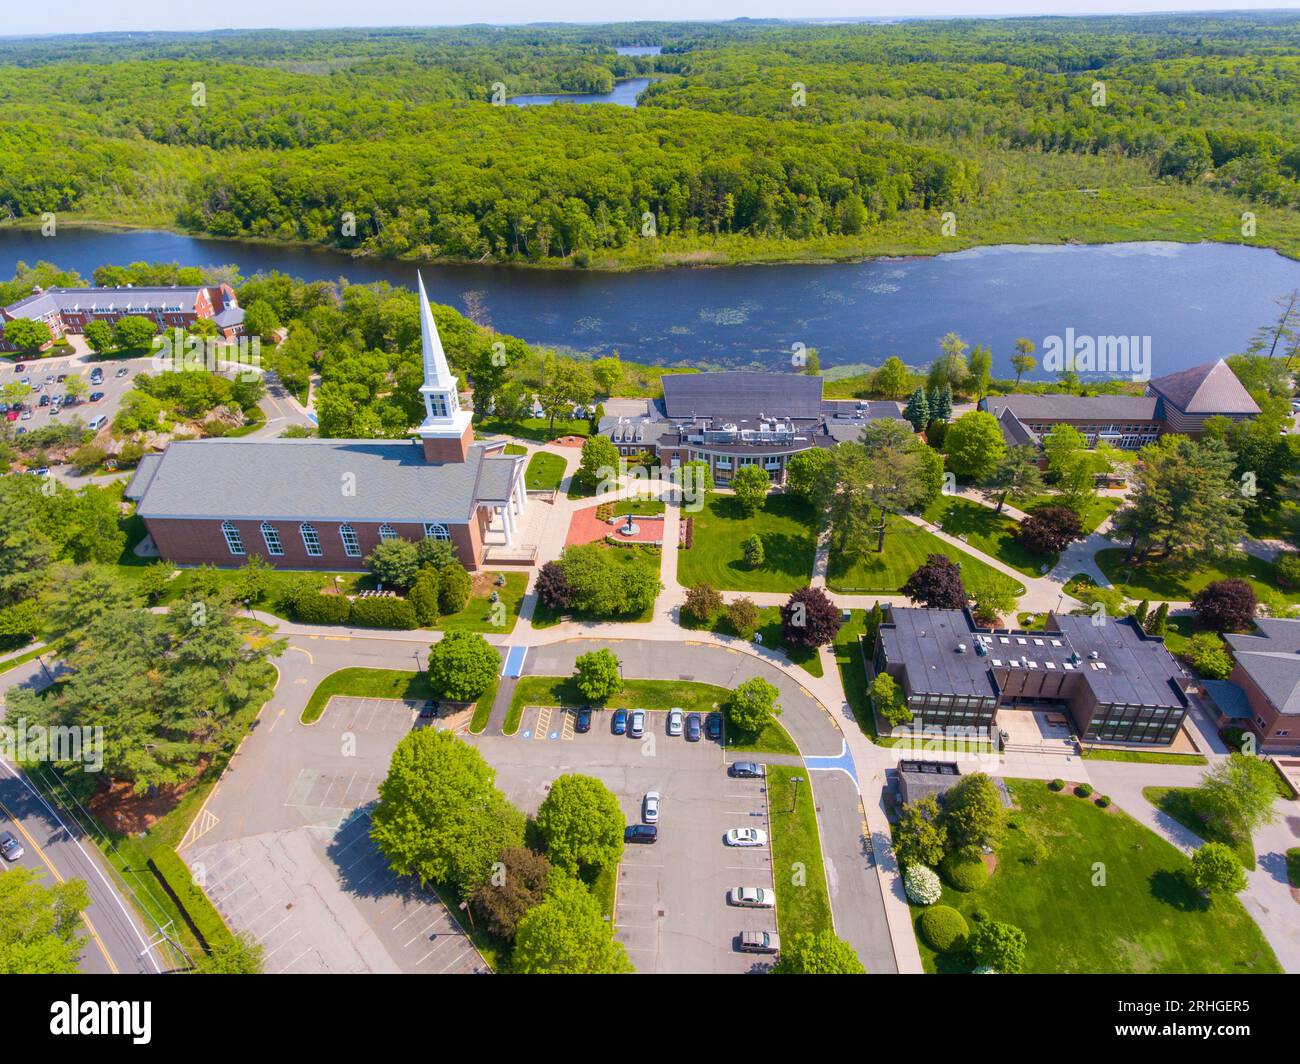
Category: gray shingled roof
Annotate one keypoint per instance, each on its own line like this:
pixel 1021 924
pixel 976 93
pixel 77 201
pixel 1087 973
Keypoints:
pixel 741 393
pixel 1271 658
pixel 39 304
pixel 305 480
pixel 1074 407
pixel 140 479
pixel 1208 389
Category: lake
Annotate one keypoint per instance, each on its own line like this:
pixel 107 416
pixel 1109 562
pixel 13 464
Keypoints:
pixel 624 94
pixel 640 49
pixel 1195 302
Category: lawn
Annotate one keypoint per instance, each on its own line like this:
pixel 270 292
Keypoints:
pixel 1179 580
pixel 1093 512
pixel 1145 757
pixel 853 670
pixel 13 663
pixel 771 633
pixel 1147 917
pixel 906 548
pixel 788 530
pixel 544 472
pixel 795 842
pixel 366 683
pixel 538 429
pixel 1184 805
pixel 988 532
pixel 1293 866
pixel 477 616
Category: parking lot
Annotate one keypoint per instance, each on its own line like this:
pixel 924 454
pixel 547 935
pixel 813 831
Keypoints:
pixel 36 371
pixel 286 855
pixel 671 910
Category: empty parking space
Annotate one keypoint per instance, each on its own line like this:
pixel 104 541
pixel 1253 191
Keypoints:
pixel 671 911
pixel 289 860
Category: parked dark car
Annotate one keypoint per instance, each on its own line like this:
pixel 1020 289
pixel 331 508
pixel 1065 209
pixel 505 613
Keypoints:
pixel 583 723
pixel 693 729
pixel 713 726
pixel 619 723
pixel 96 396
pixel 748 770
pixel 44 401
pixel 640 833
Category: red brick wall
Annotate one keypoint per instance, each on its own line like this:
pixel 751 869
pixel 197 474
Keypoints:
pixel 200 542
pixel 1274 721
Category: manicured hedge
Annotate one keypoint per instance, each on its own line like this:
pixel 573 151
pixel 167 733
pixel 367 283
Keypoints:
pixel 323 609
pixel 383 612
pixel 204 920
pixel 944 928
pixel 963 872
pixel 1084 790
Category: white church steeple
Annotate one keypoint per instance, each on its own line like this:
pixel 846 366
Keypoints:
pixel 444 419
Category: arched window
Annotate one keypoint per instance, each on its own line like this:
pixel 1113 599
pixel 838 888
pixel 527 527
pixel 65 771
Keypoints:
pixel 310 540
pixel 387 532
pixel 271 537
pixel 234 541
pixel 436 532
pixel 351 547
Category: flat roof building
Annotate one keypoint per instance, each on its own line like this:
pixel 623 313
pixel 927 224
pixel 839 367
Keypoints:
pixel 1117 683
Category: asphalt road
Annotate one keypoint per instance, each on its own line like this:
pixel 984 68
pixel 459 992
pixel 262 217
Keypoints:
pixel 115 941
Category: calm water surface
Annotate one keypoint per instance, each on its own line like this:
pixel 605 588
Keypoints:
pixel 1195 301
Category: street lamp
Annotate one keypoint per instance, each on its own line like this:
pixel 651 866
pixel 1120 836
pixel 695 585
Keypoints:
pixel 796 780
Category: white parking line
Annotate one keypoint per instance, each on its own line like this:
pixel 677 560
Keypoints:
pixel 261 937
pixel 281 946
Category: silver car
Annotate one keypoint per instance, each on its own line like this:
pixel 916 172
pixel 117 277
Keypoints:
pixel 751 897
pixel 10 847
pixel 675 718
pixel 650 807
pixel 760 942
pixel 636 727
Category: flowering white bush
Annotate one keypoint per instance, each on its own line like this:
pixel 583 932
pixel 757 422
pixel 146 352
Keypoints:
pixel 922 885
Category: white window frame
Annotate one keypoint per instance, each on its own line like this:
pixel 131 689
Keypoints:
pixel 440 532
pixel 351 544
pixel 387 532
pixel 234 541
pixel 306 529
pixel 271 537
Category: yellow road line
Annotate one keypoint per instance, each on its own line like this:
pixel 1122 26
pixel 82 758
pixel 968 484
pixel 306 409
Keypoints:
pixel 55 873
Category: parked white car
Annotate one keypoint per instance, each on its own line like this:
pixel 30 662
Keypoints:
pixel 636 728
pixel 746 837
pixel 675 718
pixel 751 897
pixel 650 807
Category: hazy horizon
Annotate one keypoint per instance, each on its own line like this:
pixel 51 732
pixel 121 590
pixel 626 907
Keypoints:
pixel 65 17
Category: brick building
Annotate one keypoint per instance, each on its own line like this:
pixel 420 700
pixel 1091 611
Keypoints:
pixel 326 503
pixel 1262 695
pixel 70 310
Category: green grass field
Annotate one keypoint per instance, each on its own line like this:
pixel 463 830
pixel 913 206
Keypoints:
pixel 906 548
pixel 1093 512
pixel 366 683
pixel 1145 757
pixel 537 429
pixel 544 472
pixel 987 531
pixel 802 905
pixel 788 530
pixel 1146 918
pixel 1178 581
pixel 479 615
pixel 1184 805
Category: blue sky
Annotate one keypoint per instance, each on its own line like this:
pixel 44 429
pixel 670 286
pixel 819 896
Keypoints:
pixel 74 16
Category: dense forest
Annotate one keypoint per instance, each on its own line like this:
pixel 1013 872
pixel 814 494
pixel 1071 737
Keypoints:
pixel 754 140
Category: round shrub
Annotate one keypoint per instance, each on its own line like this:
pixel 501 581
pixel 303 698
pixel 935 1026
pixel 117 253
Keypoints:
pixel 944 928
pixel 963 872
pixel 979 914
pixel 1084 790
pixel 1056 785
pixel 1103 801
pixel 921 885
